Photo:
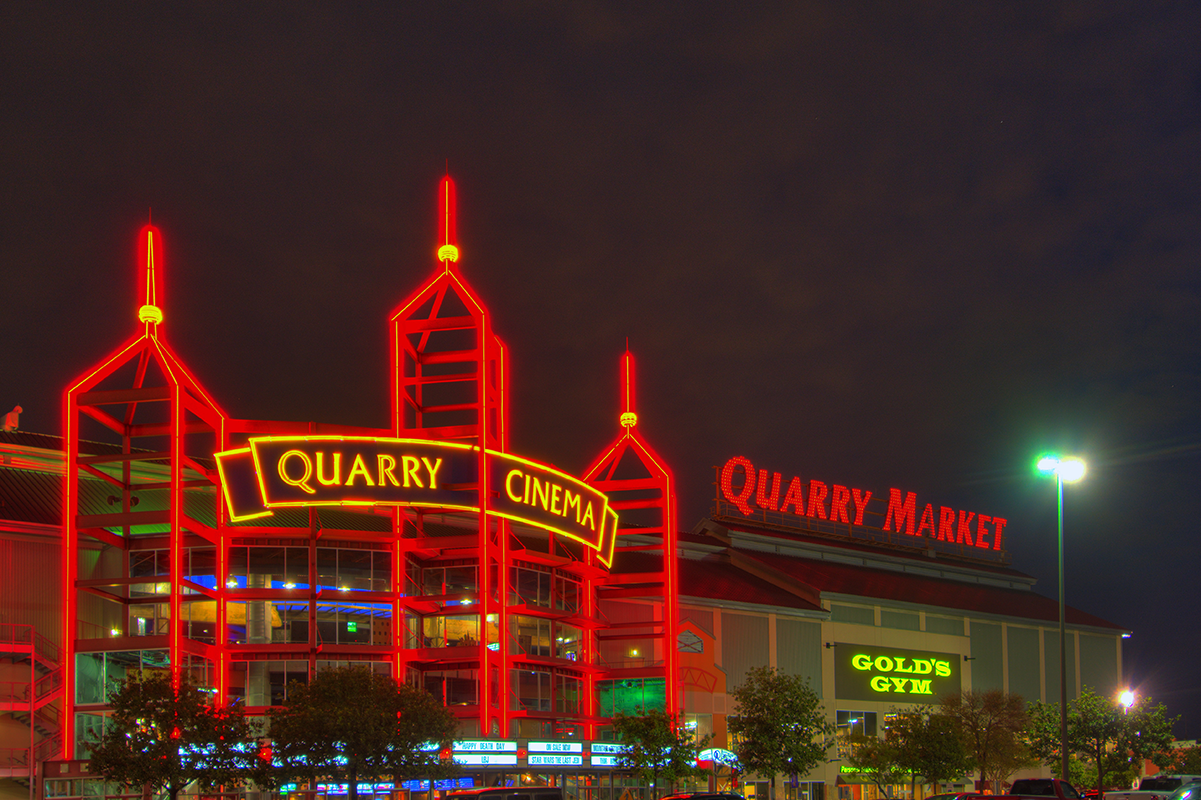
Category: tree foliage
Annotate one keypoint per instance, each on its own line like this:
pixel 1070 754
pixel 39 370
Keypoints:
pixel 781 726
pixel 1182 760
pixel 164 737
pixel 878 760
pixel 1112 740
pixel 351 724
pixel 992 725
pixel 658 748
pixel 929 744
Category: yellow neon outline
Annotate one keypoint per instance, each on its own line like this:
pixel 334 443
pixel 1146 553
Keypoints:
pixel 598 544
pixel 233 516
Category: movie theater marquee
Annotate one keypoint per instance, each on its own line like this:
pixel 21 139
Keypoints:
pixel 754 491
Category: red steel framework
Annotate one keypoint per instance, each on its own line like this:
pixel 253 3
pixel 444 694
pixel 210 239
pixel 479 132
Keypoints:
pixel 166 424
pixel 641 488
pixel 449 381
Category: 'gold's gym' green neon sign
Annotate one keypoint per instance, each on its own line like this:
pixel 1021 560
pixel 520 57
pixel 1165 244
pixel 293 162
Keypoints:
pixel 905 667
pixel 878 673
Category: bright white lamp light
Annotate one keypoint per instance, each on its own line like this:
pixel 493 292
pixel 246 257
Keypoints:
pixel 1069 469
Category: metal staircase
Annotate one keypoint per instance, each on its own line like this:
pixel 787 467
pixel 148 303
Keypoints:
pixel 31 680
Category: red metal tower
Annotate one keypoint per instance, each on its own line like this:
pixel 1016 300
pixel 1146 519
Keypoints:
pixel 641 488
pixel 134 557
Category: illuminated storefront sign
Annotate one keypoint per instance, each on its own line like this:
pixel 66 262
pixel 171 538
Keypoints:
pixel 485 746
pixel 555 747
pixel 719 756
pixel 752 491
pixel 301 471
pixel 551 760
pixel 876 673
pixel 486 759
pixel 606 755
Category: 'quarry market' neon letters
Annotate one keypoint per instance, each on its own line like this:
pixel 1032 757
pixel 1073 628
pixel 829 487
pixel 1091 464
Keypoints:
pixel 763 490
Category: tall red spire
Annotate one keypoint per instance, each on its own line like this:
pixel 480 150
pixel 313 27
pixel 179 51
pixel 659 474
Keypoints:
pixel 448 238
pixel 628 418
pixel 150 266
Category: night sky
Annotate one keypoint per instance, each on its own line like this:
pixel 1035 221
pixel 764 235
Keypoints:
pixel 886 245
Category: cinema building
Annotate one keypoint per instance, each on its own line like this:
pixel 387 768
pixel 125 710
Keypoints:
pixel 161 532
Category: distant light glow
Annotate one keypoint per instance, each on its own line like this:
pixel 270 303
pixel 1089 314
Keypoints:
pixel 1068 468
pixel 1071 469
pixel 1126 698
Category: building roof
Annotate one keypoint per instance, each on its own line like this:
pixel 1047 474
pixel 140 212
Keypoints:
pixel 714 578
pixel 860 571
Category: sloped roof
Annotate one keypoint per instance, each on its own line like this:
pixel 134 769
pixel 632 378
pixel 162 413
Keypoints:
pixel 849 579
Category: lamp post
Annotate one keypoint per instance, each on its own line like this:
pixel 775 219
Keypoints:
pixel 1068 469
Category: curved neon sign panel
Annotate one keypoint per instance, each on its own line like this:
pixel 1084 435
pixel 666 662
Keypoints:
pixel 301 471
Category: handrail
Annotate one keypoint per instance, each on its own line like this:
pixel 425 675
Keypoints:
pixel 14 692
pixel 15 633
pixel 50 651
pixel 48 748
pixel 48 684
pixel 11 757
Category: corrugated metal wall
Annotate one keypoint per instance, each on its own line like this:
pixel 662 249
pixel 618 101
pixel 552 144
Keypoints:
pixel 1098 663
pixel 859 615
pixel 1051 657
pixel 986 656
pixel 798 650
pixel 744 644
pixel 1023 662
pixel 904 620
pixel 29 585
pixel 948 625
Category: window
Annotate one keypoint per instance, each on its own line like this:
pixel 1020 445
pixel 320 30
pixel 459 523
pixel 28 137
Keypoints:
pixel 461 630
pixel 530 635
pixel 567 594
pixel 852 725
pixel 530 586
pixel 268 567
pixel 530 689
pixel 453 686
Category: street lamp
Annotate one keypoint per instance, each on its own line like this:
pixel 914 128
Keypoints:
pixel 1126 698
pixel 1068 469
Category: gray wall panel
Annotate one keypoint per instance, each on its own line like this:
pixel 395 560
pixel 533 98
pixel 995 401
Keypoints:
pixel 743 645
pixel 1023 662
pixel 856 614
pixel 1051 656
pixel 1099 663
pixel 798 650
pixel 905 620
pixel 986 656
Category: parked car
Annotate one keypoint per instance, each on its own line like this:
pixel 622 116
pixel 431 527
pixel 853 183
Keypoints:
pixel 1156 787
pixel 1043 788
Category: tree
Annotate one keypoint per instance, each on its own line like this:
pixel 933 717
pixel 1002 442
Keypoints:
pixel 658 747
pixel 929 744
pixel 351 724
pixel 993 726
pixel 165 737
pixel 781 726
pixel 1183 760
pixel 877 759
pixel 1114 741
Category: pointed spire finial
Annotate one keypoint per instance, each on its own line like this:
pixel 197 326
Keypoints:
pixel 150 266
pixel 628 418
pixel 448 250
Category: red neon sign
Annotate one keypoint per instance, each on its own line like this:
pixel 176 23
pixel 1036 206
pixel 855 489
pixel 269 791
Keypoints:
pixel 760 490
